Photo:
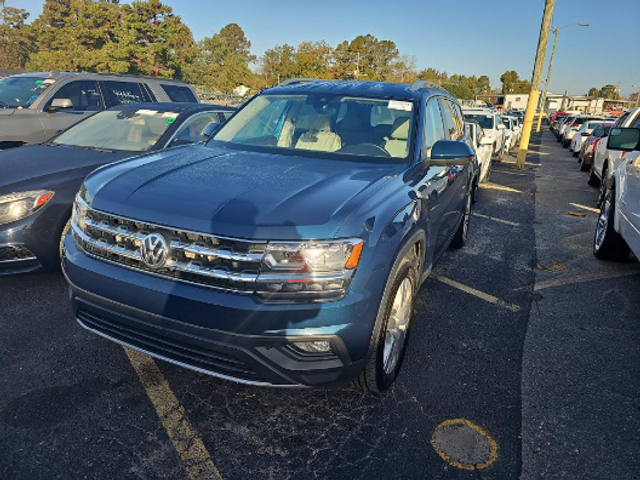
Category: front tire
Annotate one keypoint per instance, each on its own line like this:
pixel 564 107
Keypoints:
pixel 390 343
pixel 607 243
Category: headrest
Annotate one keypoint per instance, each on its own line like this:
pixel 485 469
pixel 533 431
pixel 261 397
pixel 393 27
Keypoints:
pixel 321 124
pixel 400 129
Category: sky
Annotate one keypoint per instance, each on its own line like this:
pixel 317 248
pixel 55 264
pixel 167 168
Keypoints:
pixel 470 37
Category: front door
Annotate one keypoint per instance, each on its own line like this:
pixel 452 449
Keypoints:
pixel 85 98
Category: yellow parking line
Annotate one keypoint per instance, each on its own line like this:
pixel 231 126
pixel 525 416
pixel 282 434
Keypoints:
pixel 563 281
pixel 189 446
pixel 493 186
pixel 583 207
pixel 513 162
pixel 506 222
pixel 476 293
pixel 494 170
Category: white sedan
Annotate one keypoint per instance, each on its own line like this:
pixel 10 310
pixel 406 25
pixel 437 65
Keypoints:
pixel 483 146
pixel 581 135
pixel 618 229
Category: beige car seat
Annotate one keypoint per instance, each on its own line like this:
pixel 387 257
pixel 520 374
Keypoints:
pixel 320 137
pixel 396 144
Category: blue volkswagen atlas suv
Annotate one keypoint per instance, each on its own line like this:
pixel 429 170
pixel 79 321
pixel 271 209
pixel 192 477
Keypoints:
pixel 288 251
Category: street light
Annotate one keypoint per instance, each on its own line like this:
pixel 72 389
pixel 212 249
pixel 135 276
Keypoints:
pixel 556 30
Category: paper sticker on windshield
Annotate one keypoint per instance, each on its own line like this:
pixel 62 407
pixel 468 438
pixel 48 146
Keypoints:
pixel 170 120
pixel 144 111
pixel 170 115
pixel 49 81
pixel 398 105
pixel 38 82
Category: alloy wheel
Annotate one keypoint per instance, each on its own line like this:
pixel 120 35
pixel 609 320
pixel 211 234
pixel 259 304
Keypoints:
pixel 397 326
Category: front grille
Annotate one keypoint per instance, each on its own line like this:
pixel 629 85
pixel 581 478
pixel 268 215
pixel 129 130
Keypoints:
pixel 221 262
pixel 15 253
pixel 206 359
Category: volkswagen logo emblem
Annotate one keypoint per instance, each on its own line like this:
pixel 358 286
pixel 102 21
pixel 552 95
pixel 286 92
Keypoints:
pixel 154 250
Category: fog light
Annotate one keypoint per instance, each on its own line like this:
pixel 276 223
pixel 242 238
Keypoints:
pixel 316 346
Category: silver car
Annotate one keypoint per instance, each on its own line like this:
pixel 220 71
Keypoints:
pixel 34 106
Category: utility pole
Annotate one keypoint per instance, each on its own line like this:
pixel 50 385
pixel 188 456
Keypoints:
pixel 543 39
pixel 543 102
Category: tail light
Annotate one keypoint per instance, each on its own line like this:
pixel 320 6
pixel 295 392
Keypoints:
pixel 575 125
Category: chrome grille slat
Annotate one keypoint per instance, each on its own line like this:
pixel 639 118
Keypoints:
pixel 217 253
pixel 219 262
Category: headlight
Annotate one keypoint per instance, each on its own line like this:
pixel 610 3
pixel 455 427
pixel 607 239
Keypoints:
pixel 309 271
pixel 79 212
pixel 16 206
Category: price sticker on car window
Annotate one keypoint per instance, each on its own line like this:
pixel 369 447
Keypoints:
pixel 169 115
pixel 144 111
pixel 399 105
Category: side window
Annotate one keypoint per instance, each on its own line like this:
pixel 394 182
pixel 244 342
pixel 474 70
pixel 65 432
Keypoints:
pixel 125 93
pixel 178 93
pixel 636 122
pixel 433 127
pixel 84 96
pixel 450 125
pixel 224 116
pixel 191 130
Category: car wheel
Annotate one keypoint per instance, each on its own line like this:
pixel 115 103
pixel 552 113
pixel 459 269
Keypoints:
pixel 607 243
pixel 460 237
pixel 603 186
pixel 575 154
pixel 392 336
pixel 474 189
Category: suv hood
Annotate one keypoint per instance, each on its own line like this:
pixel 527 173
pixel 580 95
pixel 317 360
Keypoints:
pixel 237 193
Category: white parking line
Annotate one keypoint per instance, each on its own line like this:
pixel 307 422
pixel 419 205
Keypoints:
pixel 476 293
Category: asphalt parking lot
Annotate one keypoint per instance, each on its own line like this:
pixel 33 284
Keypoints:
pixel 523 337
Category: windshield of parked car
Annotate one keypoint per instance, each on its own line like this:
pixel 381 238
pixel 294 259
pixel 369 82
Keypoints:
pixel 21 92
pixel 328 124
pixel 485 121
pixel 131 129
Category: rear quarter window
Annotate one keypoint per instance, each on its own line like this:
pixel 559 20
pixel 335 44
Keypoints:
pixel 125 93
pixel 179 93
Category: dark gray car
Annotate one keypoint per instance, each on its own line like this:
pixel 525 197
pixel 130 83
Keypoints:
pixel 34 106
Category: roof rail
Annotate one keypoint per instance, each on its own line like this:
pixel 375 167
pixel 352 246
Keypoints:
pixel 296 81
pixel 424 84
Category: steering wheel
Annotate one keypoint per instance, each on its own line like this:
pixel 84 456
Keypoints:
pixel 364 149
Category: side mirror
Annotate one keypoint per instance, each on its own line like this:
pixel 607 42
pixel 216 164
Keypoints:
pixel 60 104
pixel 450 152
pixel 210 129
pixel 624 139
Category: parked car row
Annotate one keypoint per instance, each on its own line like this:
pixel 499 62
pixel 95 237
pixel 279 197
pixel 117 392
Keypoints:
pixel 286 250
pixel 609 148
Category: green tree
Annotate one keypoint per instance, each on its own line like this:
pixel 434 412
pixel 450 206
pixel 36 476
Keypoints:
pixel 17 41
pixel 609 91
pixel 313 60
pixel 433 75
pixel 71 35
pixel 149 40
pixel 222 61
pixel 277 64
pixel 593 92
pixel 459 90
pixel 511 83
pixel 365 58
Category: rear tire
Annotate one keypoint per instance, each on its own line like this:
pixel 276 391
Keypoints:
pixel 384 364
pixel 584 167
pixel 460 237
pixel 607 243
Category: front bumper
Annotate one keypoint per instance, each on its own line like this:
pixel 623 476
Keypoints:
pixel 225 335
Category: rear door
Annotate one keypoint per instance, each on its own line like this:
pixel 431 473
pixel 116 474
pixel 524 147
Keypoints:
pixel 124 93
pixel 86 99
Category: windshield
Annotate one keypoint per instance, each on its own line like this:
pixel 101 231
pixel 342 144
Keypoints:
pixel 334 124
pixel 485 121
pixel 21 92
pixel 130 129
